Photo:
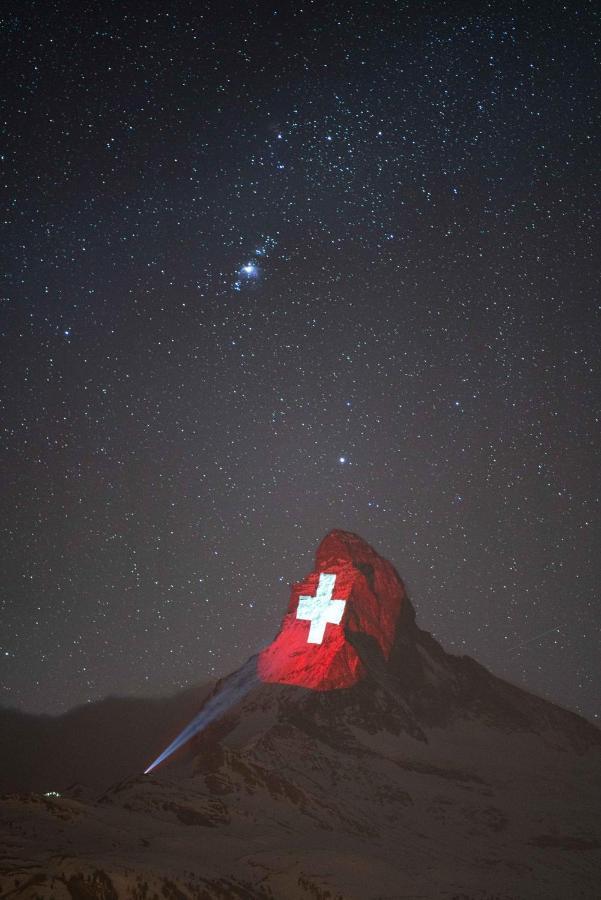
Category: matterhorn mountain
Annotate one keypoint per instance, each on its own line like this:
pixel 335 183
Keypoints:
pixel 353 758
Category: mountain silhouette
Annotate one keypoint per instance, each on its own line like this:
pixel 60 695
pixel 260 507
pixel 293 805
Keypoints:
pixel 93 745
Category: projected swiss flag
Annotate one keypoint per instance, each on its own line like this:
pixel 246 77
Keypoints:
pixel 352 589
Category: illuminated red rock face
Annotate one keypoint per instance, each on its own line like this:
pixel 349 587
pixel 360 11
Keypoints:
pixel 352 589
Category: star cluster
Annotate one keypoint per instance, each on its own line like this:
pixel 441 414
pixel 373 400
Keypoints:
pixel 274 270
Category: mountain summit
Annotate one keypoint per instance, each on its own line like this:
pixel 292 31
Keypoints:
pixel 350 635
pixel 352 594
pixel 352 759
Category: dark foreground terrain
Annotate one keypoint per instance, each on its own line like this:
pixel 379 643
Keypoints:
pixel 484 792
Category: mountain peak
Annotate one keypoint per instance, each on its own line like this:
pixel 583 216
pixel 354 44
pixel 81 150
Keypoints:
pixel 352 594
pixel 350 655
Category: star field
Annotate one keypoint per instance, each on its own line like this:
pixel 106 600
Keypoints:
pixel 275 270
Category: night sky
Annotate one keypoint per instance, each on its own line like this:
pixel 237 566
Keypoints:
pixel 275 269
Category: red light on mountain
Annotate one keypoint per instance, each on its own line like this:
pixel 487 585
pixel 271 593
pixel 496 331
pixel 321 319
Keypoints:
pixel 351 590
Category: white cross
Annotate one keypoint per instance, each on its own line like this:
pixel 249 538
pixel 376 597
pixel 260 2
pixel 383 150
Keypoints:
pixel 321 609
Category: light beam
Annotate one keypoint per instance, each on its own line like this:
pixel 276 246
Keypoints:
pixel 232 690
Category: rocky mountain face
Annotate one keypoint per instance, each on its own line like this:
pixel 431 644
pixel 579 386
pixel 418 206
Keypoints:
pixel 351 588
pixel 364 762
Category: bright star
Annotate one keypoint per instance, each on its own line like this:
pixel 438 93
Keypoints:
pixel 342 459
